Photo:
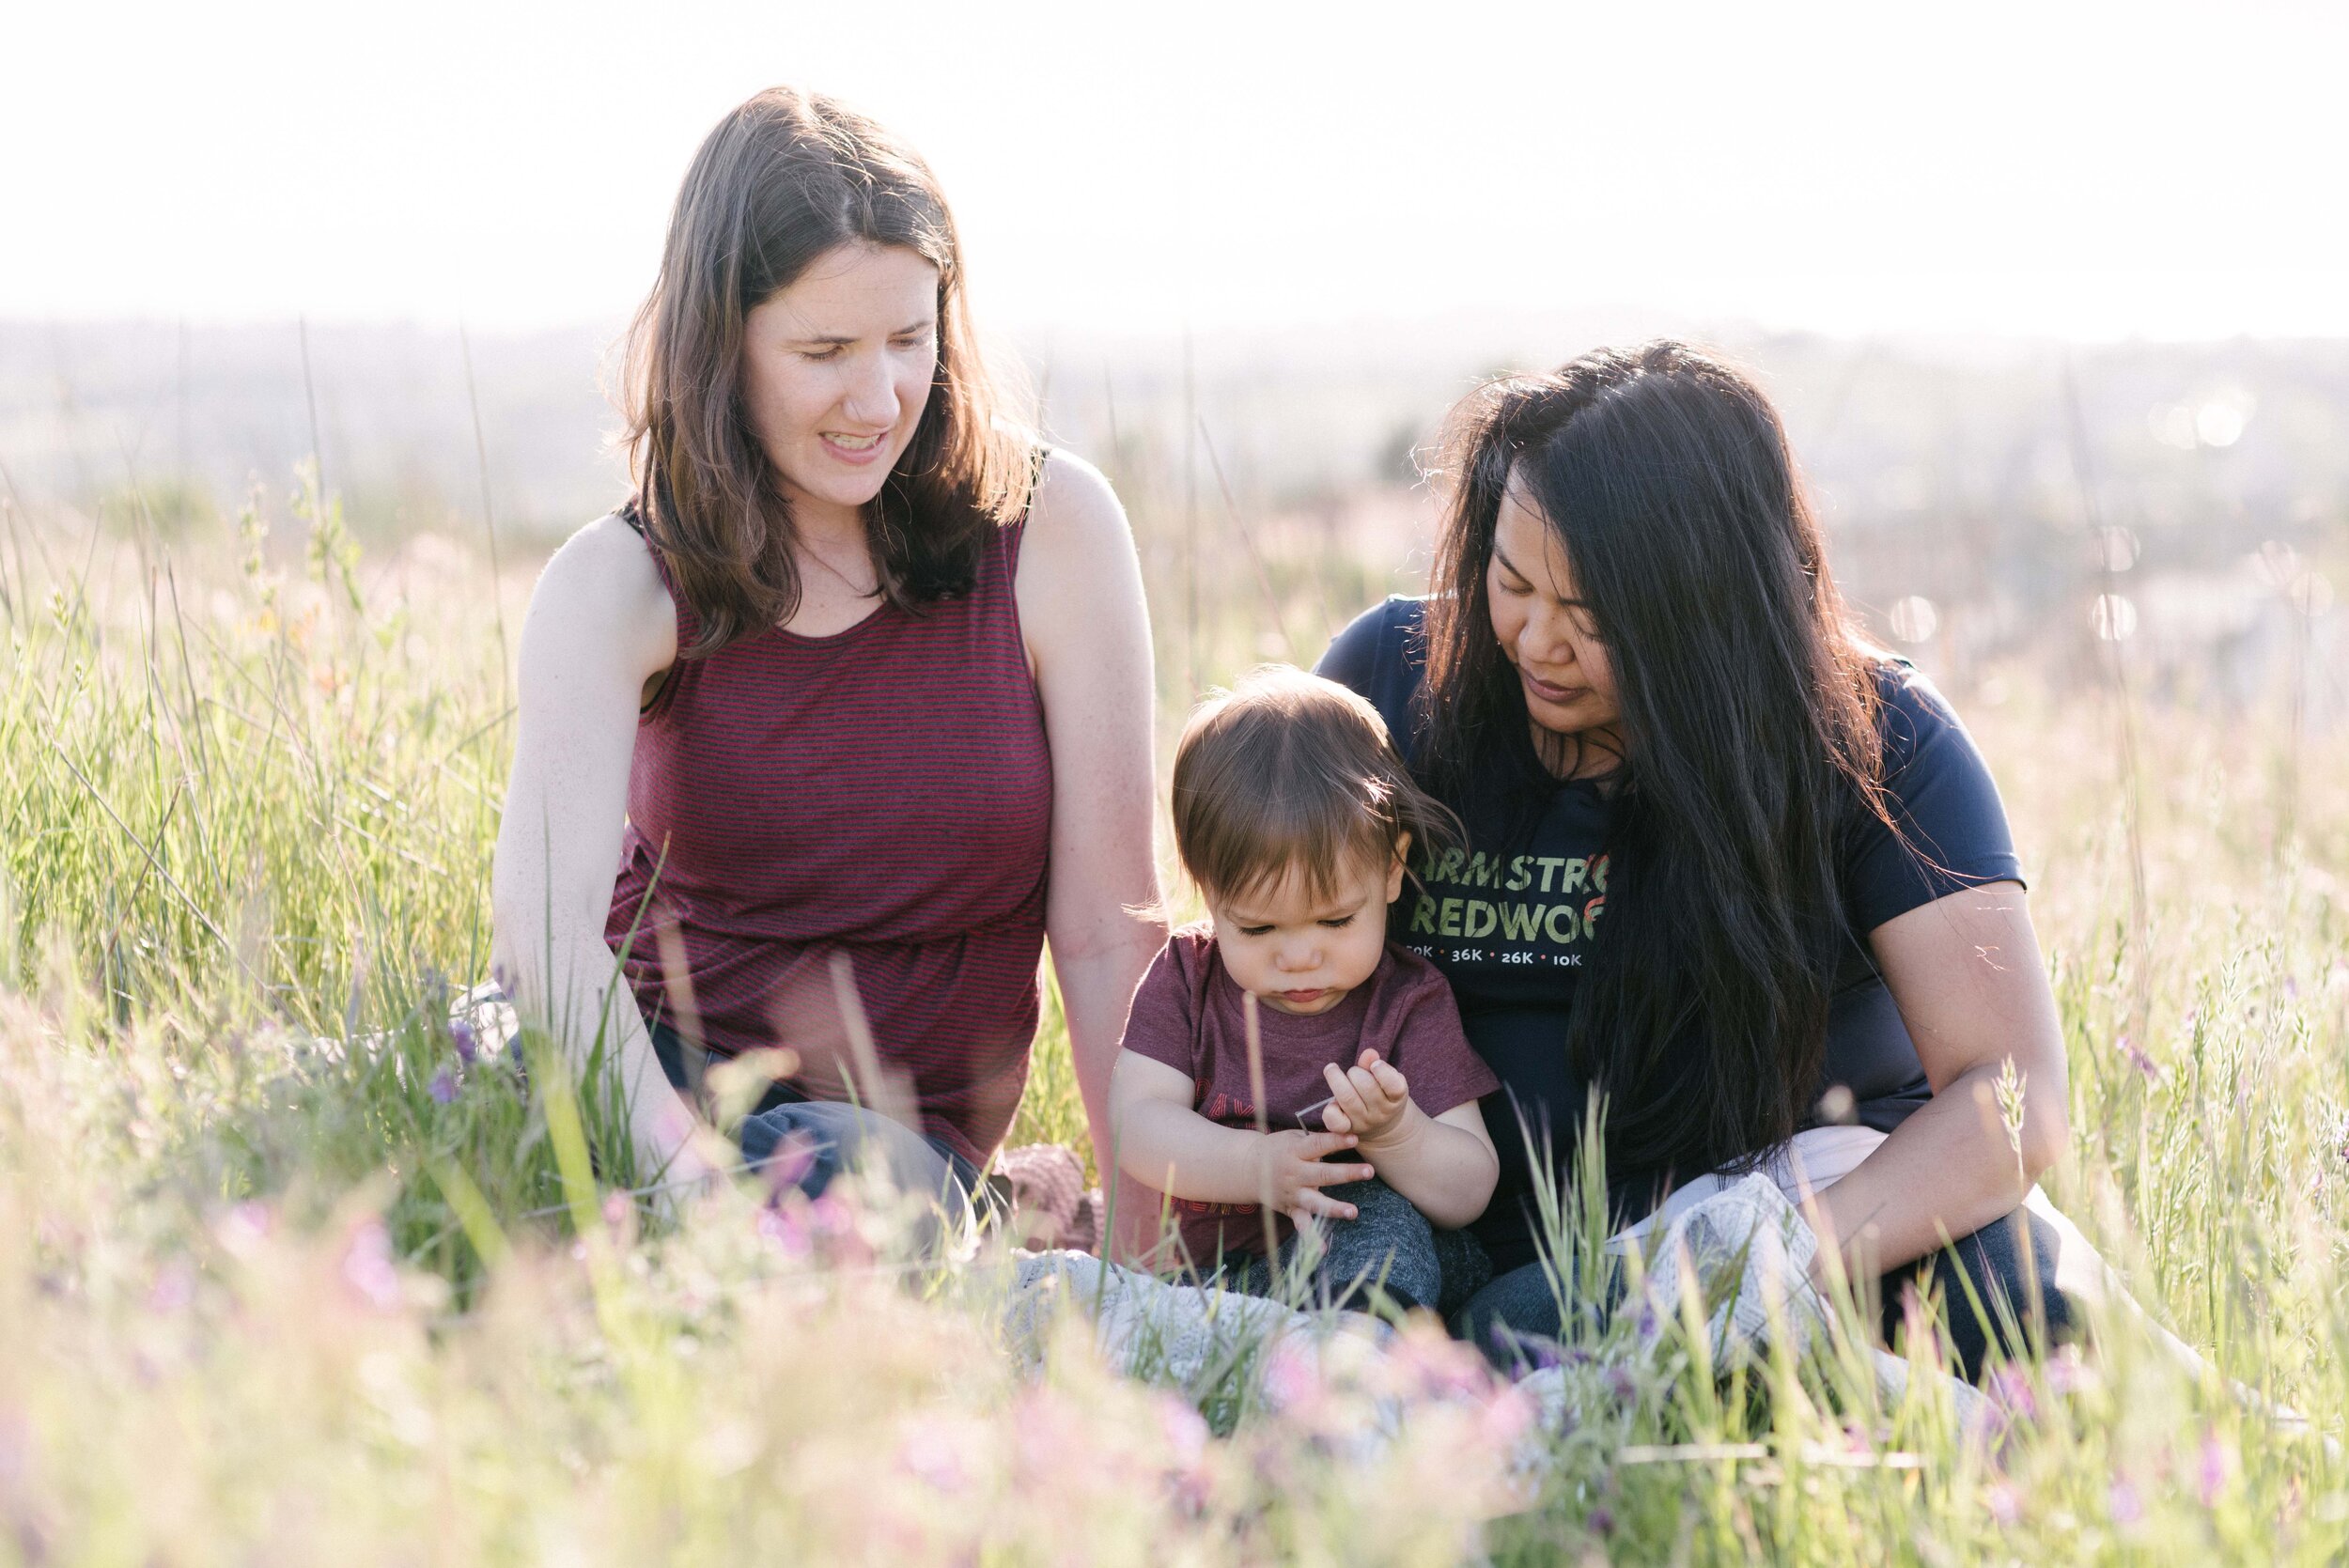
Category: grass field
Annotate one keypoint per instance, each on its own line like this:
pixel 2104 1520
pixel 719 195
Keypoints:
pixel 285 1277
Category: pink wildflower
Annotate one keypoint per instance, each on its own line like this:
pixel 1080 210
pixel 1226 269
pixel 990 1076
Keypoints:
pixel 1506 1417
pixel 2146 1066
pixel 173 1287
pixel 2005 1503
pixel 1291 1379
pixel 368 1266
pixel 1434 1366
pixel 243 1228
pixel 930 1454
pixel 2124 1502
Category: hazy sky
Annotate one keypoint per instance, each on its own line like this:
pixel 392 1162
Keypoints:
pixel 2040 167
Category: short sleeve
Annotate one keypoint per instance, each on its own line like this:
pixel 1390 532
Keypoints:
pixel 1431 1048
pixel 1375 656
pixel 1161 1024
pixel 1951 827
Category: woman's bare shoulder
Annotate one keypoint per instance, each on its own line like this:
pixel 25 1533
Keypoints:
pixel 1074 509
pixel 601 584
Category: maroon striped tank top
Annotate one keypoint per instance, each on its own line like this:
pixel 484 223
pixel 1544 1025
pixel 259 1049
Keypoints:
pixel 884 792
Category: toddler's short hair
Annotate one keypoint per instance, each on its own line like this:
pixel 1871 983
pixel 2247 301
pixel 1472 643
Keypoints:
pixel 1287 769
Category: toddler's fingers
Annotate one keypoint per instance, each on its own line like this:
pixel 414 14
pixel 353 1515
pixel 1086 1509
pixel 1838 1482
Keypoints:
pixel 1322 1174
pixel 1373 1092
pixel 1311 1203
pixel 1335 1119
pixel 1389 1078
pixel 1346 1093
pixel 1315 1145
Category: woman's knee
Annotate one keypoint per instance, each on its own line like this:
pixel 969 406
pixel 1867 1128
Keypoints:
pixel 1515 1315
pixel 1997 1287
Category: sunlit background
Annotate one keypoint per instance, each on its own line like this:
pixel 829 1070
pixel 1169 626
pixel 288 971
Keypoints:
pixel 2054 296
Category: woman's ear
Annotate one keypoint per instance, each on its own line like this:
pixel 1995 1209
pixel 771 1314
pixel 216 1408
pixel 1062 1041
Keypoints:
pixel 1395 872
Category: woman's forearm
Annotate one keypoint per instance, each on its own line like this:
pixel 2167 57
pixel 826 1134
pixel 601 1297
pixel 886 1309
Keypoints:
pixel 1945 1172
pixel 1096 984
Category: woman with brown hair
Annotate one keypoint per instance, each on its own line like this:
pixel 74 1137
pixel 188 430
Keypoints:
pixel 854 665
pixel 1731 871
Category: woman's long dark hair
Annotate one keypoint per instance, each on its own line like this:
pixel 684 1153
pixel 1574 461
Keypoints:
pixel 1748 729
pixel 784 178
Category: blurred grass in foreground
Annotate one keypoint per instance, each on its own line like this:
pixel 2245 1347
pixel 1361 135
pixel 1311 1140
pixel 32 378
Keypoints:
pixel 270 1294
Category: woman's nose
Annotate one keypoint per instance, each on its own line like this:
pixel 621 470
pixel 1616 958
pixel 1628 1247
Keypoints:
pixel 1544 641
pixel 872 393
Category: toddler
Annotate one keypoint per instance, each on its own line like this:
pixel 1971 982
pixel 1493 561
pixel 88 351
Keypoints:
pixel 1293 814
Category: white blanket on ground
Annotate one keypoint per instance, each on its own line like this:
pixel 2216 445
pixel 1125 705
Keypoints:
pixel 1741 1246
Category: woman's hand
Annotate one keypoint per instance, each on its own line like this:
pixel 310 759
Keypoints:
pixel 1291 1172
pixel 1371 1100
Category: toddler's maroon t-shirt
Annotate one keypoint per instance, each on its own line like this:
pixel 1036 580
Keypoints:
pixel 1187 1014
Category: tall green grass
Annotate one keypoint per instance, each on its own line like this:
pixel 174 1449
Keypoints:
pixel 287 1276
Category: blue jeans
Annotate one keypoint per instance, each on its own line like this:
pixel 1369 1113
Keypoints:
pixel 808 1142
pixel 1388 1248
pixel 1511 1317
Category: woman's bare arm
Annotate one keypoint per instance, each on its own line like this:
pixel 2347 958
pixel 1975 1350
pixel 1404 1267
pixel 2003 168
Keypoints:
pixel 1967 974
pixel 1088 637
pixel 601 626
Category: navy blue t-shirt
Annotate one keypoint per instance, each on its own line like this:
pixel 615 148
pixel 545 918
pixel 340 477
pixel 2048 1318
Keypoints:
pixel 1510 918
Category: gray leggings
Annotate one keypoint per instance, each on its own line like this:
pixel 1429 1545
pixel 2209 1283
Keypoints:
pixel 1388 1248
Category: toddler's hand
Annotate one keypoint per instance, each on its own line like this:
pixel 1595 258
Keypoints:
pixel 1291 1174
pixel 1371 1100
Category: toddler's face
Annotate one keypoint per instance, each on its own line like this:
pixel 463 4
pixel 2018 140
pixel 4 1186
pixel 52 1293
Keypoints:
pixel 1301 954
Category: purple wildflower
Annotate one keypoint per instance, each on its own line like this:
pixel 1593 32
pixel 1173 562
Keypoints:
pixel 784 1227
pixel 1602 1520
pixel 2147 1067
pixel 2068 1372
pixel 2211 1473
pixel 443 1088
pixel 2124 1502
pixel 1626 1390
pixel 2011 1386
pixel 468 1044
pixel 1648 1327
pixel 2005 1505
pixel 368 1266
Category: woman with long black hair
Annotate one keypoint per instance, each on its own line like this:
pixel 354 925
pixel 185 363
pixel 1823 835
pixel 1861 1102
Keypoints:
pixel 1730 869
